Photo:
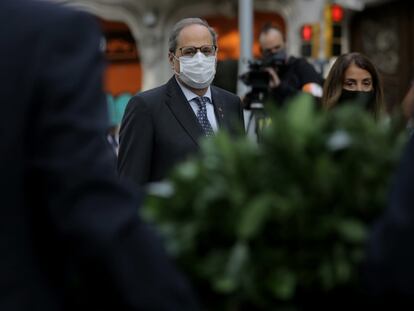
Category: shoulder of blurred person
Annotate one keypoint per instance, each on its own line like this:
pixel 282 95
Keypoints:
pixel 389 270
pixel 70 236
pixel 408 107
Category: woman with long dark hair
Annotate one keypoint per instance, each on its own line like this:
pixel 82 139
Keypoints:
pixel 354 78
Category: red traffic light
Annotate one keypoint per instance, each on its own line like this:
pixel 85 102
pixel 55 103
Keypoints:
pixel 306 32
pixel 337 13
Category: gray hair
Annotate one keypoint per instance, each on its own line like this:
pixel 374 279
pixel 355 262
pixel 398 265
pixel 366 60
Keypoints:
pixel 180 25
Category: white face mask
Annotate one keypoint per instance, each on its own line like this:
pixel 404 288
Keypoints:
pixel 197 71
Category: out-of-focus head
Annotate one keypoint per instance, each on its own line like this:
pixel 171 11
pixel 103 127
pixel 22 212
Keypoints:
pixel 271 40
pixel 353 74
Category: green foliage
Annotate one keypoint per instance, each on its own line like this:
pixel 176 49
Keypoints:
pixel 259 225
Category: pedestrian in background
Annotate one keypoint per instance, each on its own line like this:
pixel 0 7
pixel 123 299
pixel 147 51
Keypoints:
pixel 289 75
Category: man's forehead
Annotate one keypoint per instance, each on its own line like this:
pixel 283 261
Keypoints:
pixel 272 35
pixel 195 32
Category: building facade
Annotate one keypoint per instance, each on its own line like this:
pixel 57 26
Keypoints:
pixel 150 21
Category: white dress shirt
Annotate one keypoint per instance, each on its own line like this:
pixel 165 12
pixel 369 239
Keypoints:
pixel 190 96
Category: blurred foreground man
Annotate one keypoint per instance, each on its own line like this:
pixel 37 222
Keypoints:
pixel 70 238
pixel 389 268
pixel 163 126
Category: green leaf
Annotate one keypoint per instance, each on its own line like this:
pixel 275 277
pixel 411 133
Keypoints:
pixel 253 217
pixel 301 115
pixel 237 260
pixel 225 285
pixel 230 280
pixel 352 230
pixel 342 270
pixel 188 170
pixel 283 284
pixel 326 274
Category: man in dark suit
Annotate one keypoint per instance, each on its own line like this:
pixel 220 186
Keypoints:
pixel 162 126
pixel 70 238
pixel 389 269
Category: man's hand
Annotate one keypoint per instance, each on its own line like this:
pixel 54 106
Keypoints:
pixel 274 80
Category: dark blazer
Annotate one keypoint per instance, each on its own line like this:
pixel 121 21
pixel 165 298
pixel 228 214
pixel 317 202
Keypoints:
pixel 160 129
pixel 389 270
pixel 70 238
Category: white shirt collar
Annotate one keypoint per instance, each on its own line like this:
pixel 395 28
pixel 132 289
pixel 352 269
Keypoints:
pixel 189 95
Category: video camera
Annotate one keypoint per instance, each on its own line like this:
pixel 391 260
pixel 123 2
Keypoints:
pixel 258 78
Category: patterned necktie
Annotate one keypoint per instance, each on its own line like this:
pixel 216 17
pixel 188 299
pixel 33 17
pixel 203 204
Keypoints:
pixel 202 115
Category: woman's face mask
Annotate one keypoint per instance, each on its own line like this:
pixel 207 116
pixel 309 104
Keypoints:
pixel 365 99
pixel 197 71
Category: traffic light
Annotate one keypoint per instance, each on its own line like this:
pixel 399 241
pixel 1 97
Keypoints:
pixel 309 34
pixel 334 15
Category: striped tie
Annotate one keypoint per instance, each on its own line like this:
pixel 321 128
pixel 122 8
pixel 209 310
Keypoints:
pixel 202 115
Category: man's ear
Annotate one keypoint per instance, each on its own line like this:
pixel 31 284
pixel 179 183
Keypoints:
pixel 171 58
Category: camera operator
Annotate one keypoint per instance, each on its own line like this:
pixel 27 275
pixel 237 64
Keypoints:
pixel 288 75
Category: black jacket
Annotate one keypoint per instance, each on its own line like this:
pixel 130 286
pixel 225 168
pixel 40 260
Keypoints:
pixel 160 129
pixel 293 76
pixel 389 269
pixel 70 238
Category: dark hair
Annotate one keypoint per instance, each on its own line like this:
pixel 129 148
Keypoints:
pixel 180 25
pixel 270 26
pixel 333 85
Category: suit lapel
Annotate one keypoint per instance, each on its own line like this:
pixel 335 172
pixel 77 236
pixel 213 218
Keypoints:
pixel 218 108
pixel 182 111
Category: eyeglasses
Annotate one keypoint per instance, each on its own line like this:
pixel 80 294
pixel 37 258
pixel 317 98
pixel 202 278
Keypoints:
pixel 190 51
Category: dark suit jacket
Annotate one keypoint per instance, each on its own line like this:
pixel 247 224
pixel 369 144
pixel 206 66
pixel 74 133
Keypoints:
pixel 389 270
pixel 70 238
pixel 160 129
